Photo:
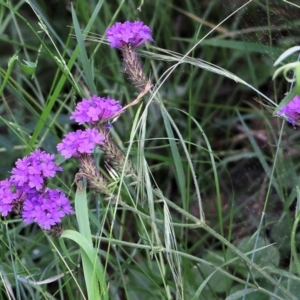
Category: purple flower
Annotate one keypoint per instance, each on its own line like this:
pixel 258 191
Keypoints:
pixel 46 209
pixel 133 33
pixel 32 170
pixel 95 109
pixel 291 111
pixel 7 197
pixel 80 142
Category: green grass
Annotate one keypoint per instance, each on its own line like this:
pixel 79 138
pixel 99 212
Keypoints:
pixel 215 210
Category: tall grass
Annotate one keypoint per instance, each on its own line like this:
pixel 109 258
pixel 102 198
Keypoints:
pixel 213 212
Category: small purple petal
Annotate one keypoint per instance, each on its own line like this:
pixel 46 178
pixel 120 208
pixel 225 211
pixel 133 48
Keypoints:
pixel 133 33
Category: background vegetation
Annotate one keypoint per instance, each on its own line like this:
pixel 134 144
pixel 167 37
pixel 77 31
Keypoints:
pixel 221 173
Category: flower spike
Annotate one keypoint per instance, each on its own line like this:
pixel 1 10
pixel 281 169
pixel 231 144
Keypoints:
pixel 127 36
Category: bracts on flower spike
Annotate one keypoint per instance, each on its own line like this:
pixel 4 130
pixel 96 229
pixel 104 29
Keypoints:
pixel 134 69
pixel 113 155
pixel 96 181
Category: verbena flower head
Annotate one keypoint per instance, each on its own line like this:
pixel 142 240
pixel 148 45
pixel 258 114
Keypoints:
pixel 95 110
pixel 80 142
pixel 8 197
pixel 46 209
pixel 133 33
pixel 32 170
pixel 291 111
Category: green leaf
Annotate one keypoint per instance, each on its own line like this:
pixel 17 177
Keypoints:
pixel 219 281
pixel 265 255
pixel 285 54
pixel 239 292
pixel 243 292
pixel 243 46
pixel 81 210
pixel 292 285
pixel 29 67
pixel 11 63
pixel 176 156
pixel 86 64
pixel 93 268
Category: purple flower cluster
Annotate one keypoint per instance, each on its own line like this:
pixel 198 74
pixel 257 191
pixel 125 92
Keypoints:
pixel 32 170
pixel 95 110
pixel 128 33
pixel 80 142
pixel 46 208
pixel 291 111
pixel 26 189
